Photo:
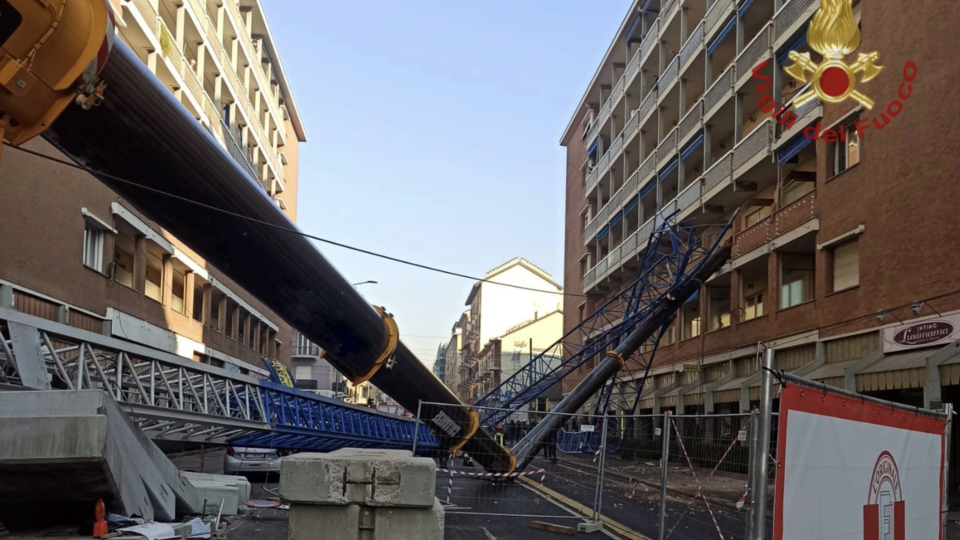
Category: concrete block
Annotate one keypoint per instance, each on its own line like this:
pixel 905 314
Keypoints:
pixel 359 476
pixel 216 492
pixel 356 522
pixel 240 483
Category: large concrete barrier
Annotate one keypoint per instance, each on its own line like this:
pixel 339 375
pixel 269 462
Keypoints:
pixel 362 494
pixel 60 451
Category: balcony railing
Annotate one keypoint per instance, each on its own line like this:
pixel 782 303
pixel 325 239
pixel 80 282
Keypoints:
pixel 668 9
pixel 692 122
pixel 633 67
pixel 762 45
pixel 647 169
pixel 668 147
pixel 720 90
pixel 760 140
pixel 716 14
pixel 720 172
pixel 630 186
pixel 590 231
pixel 693 44
pixel 670 73
pixel 652 38
pixel 783 221
pixel 306 350
pixel 647 105
pixel 789 14
pixel 689 196
pixel 629 246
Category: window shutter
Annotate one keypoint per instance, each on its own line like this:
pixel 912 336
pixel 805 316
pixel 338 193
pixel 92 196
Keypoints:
pixel 303 373
pixel 846 266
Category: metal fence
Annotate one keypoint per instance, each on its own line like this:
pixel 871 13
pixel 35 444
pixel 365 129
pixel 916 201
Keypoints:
pixel 661 476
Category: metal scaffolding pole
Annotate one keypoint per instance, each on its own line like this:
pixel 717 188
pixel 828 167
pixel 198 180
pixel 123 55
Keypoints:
pixel 761 462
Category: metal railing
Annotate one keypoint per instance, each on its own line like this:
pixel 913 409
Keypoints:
pixel 670 73
pixel 613 260
pixel 633 67
pixel 689 196
pixel 720 90
pixel 629 245
pixel 716 14
pixel 762 45
pixel 692 121
pixel 720 172
pixel 647 169
pixel 633 125
pixel 630 186
pixel 653 36
pixel 668 146
pixel 693 44
pixel 647 105
pixel 668 9
pixel 757 142
pixel 789 14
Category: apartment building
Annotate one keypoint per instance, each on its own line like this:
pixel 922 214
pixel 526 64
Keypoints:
pixel 311 371
pixel 74 252
pixel 451 354
pixel 496 311
pixel 844 250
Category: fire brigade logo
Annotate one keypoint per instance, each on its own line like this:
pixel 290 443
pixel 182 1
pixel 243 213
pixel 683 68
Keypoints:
pixel 834 33
pixel 884 515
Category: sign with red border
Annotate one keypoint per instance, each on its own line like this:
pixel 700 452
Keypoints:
pixel 850 469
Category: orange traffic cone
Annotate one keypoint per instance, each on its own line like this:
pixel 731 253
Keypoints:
pixel 100 528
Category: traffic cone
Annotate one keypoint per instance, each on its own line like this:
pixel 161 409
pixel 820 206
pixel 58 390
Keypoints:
pixel 100 528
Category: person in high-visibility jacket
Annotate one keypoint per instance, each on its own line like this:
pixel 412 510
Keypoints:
pixel 498 434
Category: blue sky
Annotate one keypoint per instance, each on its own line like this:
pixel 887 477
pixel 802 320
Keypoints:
pixel 433 131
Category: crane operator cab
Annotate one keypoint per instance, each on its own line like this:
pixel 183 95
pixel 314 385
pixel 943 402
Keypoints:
pixel 51 52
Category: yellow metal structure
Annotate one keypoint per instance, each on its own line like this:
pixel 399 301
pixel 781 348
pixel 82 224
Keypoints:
pixel 46 48
pixel 393 338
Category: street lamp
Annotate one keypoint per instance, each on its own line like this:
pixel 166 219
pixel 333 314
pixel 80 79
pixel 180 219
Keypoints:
pixel 365 283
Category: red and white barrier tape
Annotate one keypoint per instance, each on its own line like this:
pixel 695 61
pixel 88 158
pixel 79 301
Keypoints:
pixel 693 471
pixel 452 472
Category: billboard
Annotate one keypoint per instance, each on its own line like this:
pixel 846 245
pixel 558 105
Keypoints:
pixel 854 470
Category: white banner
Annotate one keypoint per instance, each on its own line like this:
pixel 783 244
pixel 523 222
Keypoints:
pixel 926 333
pixel 853 470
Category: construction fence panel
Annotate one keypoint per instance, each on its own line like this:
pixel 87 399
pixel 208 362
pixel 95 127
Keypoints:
pixel 543 490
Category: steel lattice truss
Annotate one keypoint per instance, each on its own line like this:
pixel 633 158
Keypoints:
pixel 673 253
pixel 174 398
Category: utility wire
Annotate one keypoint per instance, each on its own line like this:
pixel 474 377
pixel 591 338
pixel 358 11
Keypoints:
pixel 281 227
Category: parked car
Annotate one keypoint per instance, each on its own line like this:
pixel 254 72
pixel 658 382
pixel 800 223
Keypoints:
pixel 246 459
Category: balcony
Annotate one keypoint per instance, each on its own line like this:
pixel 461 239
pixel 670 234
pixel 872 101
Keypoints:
pixel 720 173
pixel 652 38
pixel 667 150
pixel 669 75
pixel 718 13
pixel 719 92
pixel 670 8
pixel 758 50
pixel 783 221
pixel 691 123
pixel 754 147
pixel 693 45
pixel 689 197
pixel 790 18
pixel 306 350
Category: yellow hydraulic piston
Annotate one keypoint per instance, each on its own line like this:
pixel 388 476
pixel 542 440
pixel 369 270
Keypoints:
pixel 50 54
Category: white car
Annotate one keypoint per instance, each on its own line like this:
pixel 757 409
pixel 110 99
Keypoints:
pixel 245 459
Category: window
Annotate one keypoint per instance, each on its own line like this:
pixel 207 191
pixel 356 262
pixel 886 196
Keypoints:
pixel 93 247
pixel 581 312
pixel 154 284
pixel 124 247
pixel 197 302
pixel 231 312
pixel 846 265
pixel 719 306
pixel 670 336
pixel 796 280
pixel 691 318
pixel 846 153
pixel 242 327
pixel 178 292
pixel 794 191
pixel 303 373
pixel 755 215
pixel 753 306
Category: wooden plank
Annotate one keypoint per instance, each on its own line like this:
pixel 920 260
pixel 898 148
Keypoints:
pixel 615 527
pixel 560 529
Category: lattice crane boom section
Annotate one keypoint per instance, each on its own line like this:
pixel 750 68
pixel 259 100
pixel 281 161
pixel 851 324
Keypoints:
pixel 173 398
pixel 674 252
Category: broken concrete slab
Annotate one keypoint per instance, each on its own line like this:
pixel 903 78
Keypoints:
pixel 391 478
